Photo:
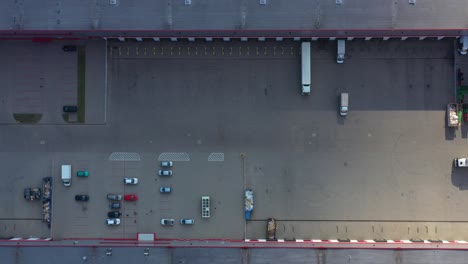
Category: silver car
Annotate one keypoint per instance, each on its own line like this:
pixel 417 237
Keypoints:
pixel 165 221
pixel 185 221
pixel 164 172
pixel 114 197
pixel 165 189
pixel 167 164
pixel 130 181
pixel 113 221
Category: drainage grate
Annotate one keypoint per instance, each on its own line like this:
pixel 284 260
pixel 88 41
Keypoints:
pixel 174 156
pixel 216 157
pixel 124 156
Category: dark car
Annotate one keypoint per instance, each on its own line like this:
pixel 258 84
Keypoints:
pixel 69 48
pixel 114 205
pixel 114 214
pixel 70 108
pixel 81 197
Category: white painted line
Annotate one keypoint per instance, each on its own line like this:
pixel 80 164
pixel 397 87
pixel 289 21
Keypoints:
pixel 333 240
pixel 33 238
pixel 280 240
pixel 461 241
pixel 299 240
pixel 353 241
pixel 316 240
pixel 390 241
pixel 261 240
pixel 427 241
pixel 17 238
pixel 369 241
pixel 445 241
pixel 247 240
pixel 406 241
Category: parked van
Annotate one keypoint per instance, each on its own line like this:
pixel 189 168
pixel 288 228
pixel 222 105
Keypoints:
pixel 340 53
pixel 344 104
pixel 463 45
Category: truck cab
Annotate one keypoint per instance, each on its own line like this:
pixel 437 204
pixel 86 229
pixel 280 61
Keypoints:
pixel 460 162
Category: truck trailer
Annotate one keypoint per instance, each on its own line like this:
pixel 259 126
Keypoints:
pixel 305 57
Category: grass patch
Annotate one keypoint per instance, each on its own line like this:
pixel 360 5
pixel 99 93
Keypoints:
pixel 81 85
pixel 27 118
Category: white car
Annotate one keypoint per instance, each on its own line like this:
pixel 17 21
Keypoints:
pixel 130 180
pixel 167 164
pixel 184 221
pixel 165 189
pixel 164 172
pixel 113 221
pixel 167 221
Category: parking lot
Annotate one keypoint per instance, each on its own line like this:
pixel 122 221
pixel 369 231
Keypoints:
pixel 384 171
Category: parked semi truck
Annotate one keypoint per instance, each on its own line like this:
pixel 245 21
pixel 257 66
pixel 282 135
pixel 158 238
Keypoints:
pixel 249 204
pixel 340 53
pixel 305 58
pixel 452 115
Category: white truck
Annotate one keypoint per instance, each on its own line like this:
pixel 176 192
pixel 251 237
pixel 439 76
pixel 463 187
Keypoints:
pixel 344 102
pixel 305 61
pixel 340 53
pixel 460 162
pixel 66 175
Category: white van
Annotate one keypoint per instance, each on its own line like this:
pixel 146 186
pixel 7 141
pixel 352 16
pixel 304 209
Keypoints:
pixel 344 104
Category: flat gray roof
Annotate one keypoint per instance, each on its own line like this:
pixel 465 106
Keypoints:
pixel 226 16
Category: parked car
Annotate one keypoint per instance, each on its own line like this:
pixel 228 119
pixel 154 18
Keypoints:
pixel 166 164
pixel 114 214
pixel 114 205
pixel 130 197
pixel 82 173
pixel 165 172
pixel 184 221
pixel 81 197
pixel 130 180
pixel 69 48
pixel 70 108
pixel 113 221
pixel 114 197
pixel 167 221
pixel 165 189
